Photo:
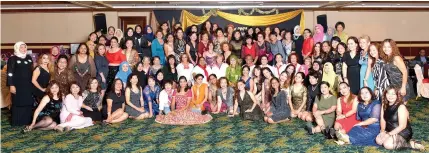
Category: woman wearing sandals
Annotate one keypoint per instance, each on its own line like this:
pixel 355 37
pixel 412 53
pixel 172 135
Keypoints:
pixel 395 125
pixel 47 114
pixel 134 99
pixel 71 116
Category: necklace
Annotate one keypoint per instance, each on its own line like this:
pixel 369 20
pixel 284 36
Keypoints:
pixel 118 94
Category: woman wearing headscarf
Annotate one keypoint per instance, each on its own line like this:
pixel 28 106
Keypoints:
pixel 138 34
pixel 329 34
pixel 124 72
pixel 128 36
pixel 119 34
pixel 55 53
pixel 330 76
pixel 318 34
pixel 146 42
pixel 19 74
pixel 299 41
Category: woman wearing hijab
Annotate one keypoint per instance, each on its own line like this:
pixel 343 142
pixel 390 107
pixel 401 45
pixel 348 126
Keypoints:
pixel 55 53
pixel 19 73
pixel 119 34
pixel 299 41
pixel 329 34
pixel 330 76
pixel 318 33
pixel 128 36
pixel 146 42
pixel 138 34
pixel 124 72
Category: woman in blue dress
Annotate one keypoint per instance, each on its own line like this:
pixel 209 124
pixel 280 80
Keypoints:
pixel 158 47
pixel 151 97
pixel 364 42
pixel 368 113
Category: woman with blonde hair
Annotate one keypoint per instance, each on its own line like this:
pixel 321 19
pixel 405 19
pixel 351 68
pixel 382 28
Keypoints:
pixel 41 76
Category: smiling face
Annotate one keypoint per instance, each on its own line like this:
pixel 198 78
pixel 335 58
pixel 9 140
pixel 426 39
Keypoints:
pixel 223 83
pixel 213 80
pixel 160 76
pixel 170 38
pixel 156 61
pixel 316 66
pixel 62 64
pixel 344 89
pixel 363 43
pixel 387 48
pixel 267 73
pixel 94 84
pixel 159 35
pixel 365 95
pixel 129 44
pixel 351 45
pixel 134 80
pixel 74 89
pixel 293 60
pixel 55 51
pixel 183 83
pixel 283 76
pixel 167 86
pixel 326 47
pixel 391 96
pixel 179 34
pixel 101 50
pixel 199 80
pixel 245 71
pixel 125 67
pixel 341 49
pixel 55 89
pixel 83 49
pixel 373 51
pixel 151 82
pixel 114 43
pixel 324 89
pixel 298 78
pixel 23 49
pixel 275 84
pixel 45 59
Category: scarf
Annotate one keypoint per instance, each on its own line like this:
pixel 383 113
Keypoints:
pixel 328 36
pixel 138 35
pixel 319 34
pixel 296 34
pixel 121 35
pixel 329 76
pixel 16 49
pixel 122 74
pixel 55 56
pixel 149 36
pixel 205 71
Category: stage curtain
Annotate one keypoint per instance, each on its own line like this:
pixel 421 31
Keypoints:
pixel 264 20
pixel 189 19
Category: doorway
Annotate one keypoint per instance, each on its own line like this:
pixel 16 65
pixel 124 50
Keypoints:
pixel 126 22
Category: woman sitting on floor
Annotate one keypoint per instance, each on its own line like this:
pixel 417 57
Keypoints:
pixel 92 100
pixel 134 99
pixel 114 112
pixel 181 107
pixel 47 114
pixel 396 132
pixel 249 107
pixel 323 111
pixel 279 109
pixel 71 117
pixel 368 115
pixel 346 110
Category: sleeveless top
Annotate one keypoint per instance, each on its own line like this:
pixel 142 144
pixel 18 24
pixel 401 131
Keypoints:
pixel 193 50
pixel 392 121
pixel 52 108
pixel 135 97
pixel 394 74
pixel 247 83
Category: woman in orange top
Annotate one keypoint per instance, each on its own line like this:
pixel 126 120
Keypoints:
pixel 199 93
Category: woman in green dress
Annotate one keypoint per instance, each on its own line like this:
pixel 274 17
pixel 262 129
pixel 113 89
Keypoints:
pixel 233 72
pixel 323 110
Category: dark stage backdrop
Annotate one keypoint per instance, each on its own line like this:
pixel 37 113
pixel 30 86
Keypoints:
pixel 174 16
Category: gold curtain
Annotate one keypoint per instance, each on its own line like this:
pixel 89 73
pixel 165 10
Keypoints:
pixel 189 19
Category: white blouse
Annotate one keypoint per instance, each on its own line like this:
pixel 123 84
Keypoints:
pixel 181 71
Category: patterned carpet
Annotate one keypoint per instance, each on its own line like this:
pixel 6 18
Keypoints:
pixel 222 134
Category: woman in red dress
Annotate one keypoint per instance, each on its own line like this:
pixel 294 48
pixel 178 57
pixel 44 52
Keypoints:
pixel 307 46
pixel 346 110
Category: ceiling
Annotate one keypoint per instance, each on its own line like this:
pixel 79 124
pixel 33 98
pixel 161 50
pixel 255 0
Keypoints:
pixel 212 4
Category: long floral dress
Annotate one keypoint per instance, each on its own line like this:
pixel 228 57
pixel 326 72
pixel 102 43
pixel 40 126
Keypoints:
pixel 183 117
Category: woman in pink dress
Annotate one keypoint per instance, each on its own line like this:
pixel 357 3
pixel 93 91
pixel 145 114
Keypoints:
pixel 181 108
pixel 346 110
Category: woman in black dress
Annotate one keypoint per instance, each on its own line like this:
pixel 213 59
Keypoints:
pixel 92 100
pixel 249 107
pixel 41 77
pixel 19 74
pixel 114 110
pixel 351 67
pixel 47 114
pixel 236 43
pixel 191 48
pixel 396 131
pixel 169 70
pixel 299 41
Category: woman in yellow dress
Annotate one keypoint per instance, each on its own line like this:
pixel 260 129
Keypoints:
pixel 199 93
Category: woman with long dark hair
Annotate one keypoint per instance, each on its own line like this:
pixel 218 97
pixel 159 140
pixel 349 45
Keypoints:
pixel 279 108
pixel 82 65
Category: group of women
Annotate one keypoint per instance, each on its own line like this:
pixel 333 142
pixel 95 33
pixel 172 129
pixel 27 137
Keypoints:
pixel 180 78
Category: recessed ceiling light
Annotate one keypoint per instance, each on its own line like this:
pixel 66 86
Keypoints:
pixel 398 4
pixel 363 4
